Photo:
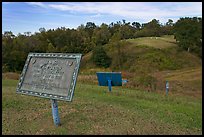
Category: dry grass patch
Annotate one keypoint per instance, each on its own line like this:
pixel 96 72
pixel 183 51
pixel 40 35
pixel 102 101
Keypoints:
pixel 10 75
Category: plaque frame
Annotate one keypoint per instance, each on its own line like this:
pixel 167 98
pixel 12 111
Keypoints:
pixel 73 80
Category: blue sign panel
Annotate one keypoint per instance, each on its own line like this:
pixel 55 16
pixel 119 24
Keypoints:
pixel 105 77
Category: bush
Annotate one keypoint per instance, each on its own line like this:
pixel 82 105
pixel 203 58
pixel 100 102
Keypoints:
pixel 100 58
pixel 148 81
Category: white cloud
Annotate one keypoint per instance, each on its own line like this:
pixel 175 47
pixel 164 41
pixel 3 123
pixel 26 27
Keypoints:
pixel 129 10
pixel 40 4
pixel 96 15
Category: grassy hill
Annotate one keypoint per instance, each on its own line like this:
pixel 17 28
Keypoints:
pixel 94 110
pixel 141 54
pixel 146 61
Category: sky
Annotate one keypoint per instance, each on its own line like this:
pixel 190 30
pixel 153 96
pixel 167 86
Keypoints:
pixel 20 17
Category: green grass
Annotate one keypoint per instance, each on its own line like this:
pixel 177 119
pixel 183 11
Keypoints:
pixel 155 42
pixel 94 110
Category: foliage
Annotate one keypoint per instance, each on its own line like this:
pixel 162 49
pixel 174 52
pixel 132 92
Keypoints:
pixel 100 58
pixel 188 33
pixel 101 35
pixel 149 82
pixel 152 28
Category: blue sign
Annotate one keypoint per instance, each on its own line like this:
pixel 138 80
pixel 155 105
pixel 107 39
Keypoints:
pixel 109 79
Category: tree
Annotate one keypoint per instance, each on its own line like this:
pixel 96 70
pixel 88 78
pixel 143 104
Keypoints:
pixel 101 35
pixel 136 25
pixel 7 48
pixel 27 33
pixel 13 55
pixel 8 34
pixel 188 34
pixel 170 22
pixel 150 29
pixel 90 26
pixel 117 45
pixel 167 29
pixel 100 58
pixel 42 30
pixel 51 48
pixel 126 31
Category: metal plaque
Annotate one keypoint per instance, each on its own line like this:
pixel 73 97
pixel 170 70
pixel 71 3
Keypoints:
pixel 50 75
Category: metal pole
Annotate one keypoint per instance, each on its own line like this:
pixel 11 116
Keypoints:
pixel 55 112
pixel 109 85
pixel 167 88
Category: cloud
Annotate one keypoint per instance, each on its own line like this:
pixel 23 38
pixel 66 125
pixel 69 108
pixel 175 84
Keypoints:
pixel 96 15
pixel 129 10
pixel 40 4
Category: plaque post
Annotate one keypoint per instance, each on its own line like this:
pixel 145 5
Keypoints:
pixel 109 85
pixel 55 112
pixel 46 75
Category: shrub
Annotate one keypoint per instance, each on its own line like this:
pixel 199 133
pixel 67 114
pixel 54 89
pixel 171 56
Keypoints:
pixel 100 58
pixel 148 81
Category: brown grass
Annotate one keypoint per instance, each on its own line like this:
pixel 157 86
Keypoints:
pixel 10 75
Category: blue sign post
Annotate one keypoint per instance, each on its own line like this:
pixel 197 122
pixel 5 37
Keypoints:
pixel 55 113
pixel 167 87
pixel 110 79
pixel 109 85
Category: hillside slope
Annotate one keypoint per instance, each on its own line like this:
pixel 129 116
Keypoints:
pixel 146 62
pixel 147 54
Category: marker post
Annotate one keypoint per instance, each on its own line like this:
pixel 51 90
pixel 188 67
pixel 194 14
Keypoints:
pixel 109 85
pixel 55 113
pixel 167 87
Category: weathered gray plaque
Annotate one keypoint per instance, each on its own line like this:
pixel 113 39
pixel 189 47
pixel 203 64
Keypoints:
pixel 50 75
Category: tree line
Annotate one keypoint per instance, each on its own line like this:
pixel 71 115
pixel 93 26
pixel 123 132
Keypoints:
pixel 90 37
